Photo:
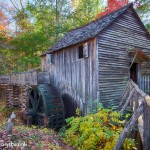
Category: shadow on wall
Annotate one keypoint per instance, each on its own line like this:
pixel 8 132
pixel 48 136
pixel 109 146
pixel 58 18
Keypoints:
pixel 70 105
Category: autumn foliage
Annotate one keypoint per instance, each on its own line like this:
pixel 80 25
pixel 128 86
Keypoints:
pixel 4 22
pixel 112 6
pixel 99 131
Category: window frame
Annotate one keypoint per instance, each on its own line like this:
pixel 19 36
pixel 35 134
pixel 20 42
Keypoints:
pixel 80 52
pixel 50 59
pixel 85 50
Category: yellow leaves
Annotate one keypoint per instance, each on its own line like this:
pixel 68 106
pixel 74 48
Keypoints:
pixel 113 128
pixel 99 109
pixel 78 111
pixel 96 124
pixel 108 146
pixel 129 144
pixel 105 119
pixel 99 134
pixel 75 3
pixel 45 130
pixel 98 131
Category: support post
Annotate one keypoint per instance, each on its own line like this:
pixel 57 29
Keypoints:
pixel 9 96
pixel 16 94
pixel 25 90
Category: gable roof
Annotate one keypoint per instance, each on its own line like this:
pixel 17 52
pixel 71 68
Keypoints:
pixel 87 31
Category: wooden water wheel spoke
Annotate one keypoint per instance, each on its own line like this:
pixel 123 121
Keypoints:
pixel 31 99
pixel 36 120
pixel 40 119
pixel 35 95
pixel 34 99
pixel 38 102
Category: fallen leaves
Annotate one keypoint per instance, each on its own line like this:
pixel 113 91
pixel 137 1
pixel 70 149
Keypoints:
pixel 34 139
pixel 25 138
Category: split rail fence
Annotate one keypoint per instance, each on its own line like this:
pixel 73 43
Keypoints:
pixel 140 102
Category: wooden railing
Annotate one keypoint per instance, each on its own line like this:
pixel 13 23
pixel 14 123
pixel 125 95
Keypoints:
pixel 25 78
pixel 140 102
pixel 4 79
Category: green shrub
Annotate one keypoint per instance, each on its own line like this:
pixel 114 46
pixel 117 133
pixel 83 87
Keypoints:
pixel 96 131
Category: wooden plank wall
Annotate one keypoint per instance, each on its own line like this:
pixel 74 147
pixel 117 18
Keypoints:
pixel 43 78
pixel 75 77
pixel 114 43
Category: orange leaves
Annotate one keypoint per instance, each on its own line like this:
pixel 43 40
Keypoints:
pixel 4 21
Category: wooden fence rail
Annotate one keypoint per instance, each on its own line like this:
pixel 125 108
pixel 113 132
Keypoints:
pixel 140 102
pixel 4 79
pixel 26 78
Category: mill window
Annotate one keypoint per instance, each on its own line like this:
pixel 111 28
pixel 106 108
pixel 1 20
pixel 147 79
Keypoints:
pixel 81 52
pixel 84 50
pixel 50 59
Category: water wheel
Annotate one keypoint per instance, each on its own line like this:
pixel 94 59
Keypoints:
pixel 45 106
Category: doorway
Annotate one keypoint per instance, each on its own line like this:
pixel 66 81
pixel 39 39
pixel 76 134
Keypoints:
pixel 134 72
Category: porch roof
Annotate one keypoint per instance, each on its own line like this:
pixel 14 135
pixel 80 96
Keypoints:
pixel 140 55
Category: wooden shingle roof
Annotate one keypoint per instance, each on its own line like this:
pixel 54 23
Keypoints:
pixel 87 31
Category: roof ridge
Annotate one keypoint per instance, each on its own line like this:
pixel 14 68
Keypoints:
pixel 85 32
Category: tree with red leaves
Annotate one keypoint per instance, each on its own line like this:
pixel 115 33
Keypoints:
pixel 113 5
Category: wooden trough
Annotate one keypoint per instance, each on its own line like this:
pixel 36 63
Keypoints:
pixel 26 78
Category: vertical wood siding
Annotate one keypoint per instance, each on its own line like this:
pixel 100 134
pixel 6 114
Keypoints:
pixel 75 77
pixel 114 45
pixel 43 63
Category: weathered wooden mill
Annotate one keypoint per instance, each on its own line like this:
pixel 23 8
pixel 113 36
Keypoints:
pixel 94 61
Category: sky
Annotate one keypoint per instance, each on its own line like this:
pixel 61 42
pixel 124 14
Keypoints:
pixel 17 3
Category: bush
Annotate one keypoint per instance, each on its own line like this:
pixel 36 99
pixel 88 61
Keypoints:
pixel 96 131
